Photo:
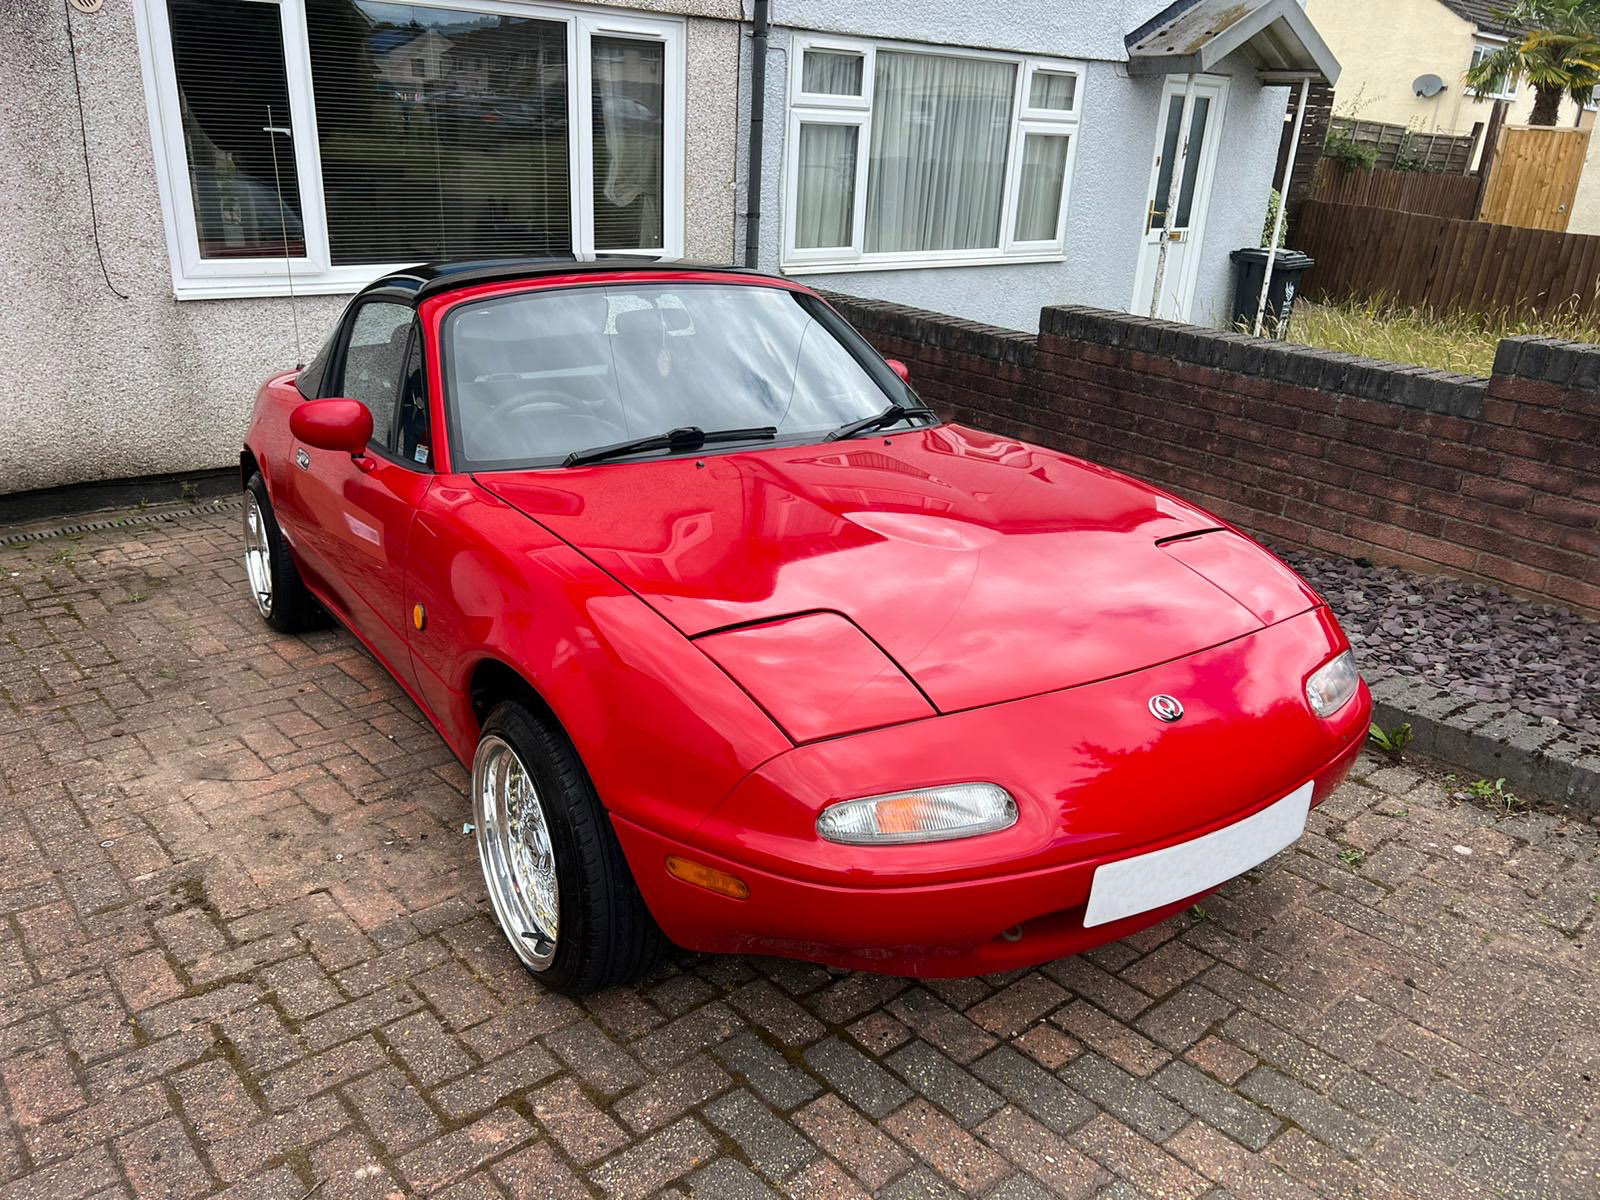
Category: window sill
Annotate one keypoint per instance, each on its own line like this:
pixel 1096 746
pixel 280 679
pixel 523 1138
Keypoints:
pixel 919 264
pixel 236 289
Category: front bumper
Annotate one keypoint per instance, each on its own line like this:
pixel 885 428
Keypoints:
pixel 1095 777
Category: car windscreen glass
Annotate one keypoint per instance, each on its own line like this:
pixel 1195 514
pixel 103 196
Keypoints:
pixel 535 376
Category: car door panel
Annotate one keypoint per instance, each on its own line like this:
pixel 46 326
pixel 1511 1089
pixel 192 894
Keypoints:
pixel 356 512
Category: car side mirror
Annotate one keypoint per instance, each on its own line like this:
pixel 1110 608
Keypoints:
pixel 335 423
pixel 900 369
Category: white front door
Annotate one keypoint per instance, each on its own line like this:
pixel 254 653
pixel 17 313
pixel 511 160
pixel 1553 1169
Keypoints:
pixel 1194 156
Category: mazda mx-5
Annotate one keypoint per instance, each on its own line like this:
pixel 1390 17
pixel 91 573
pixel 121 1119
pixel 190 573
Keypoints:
pixel 748 651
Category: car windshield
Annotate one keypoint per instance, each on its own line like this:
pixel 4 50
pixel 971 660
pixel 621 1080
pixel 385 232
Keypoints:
pixel 534 376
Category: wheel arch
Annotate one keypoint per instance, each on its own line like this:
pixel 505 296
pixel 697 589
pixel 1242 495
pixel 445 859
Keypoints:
pixel 492 680
pixel 248 466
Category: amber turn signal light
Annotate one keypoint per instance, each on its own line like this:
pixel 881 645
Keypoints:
pixel 709 878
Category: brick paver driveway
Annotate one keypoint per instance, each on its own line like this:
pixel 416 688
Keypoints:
pixel 246 948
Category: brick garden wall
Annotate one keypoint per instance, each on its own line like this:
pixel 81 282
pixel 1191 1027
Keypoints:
pixel 1496 480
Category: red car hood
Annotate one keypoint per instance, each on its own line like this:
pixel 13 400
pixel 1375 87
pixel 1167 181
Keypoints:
pixel 987 568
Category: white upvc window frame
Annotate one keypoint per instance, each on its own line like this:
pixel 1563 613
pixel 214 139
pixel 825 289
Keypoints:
pixel 197 278
pixel 1488 43
pixel 809 108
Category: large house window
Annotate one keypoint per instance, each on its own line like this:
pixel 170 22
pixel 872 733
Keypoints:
pixel 1505 86
pixel 312 144
pixel 902 156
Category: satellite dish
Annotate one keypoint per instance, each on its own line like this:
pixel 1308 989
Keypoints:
pixel 1427 86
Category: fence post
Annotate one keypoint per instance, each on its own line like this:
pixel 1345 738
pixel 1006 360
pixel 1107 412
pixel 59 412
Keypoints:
pixel 1491 140
pixel 1283 203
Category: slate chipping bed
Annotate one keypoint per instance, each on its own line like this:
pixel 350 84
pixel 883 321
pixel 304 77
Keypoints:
pixel 1479 642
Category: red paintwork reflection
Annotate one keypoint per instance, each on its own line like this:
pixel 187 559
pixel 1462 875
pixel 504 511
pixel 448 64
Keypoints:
pixel 1234 563
pixel 816 676
pixel 987 569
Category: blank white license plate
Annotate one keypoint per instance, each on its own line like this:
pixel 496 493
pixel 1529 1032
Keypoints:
pixel 1146 881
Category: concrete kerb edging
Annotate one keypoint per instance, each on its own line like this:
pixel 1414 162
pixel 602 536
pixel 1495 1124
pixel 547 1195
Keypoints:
pixel 1493 741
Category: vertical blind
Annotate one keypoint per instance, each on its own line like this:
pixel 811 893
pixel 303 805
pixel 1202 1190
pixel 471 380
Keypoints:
pixel 939 135
pixel 831 73
pixel 1044 170
pixel 826 185
pixel 629 141
pixel 228 56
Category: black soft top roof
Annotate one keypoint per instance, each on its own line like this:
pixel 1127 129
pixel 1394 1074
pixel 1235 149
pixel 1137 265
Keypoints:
pixel 429 279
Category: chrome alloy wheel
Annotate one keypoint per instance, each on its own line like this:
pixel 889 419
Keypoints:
pixel 258 554
pixel 514 848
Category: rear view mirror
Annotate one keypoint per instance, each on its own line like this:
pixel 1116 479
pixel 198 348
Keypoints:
pixel 332 424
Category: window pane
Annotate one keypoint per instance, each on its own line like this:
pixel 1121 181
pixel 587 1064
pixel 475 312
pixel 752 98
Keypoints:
pixel 415 444
pixel 1191 167
pixel 1191 164
pixel 378 343
pixel 829 73
pixel 825 191
pixel 939 132
pixel 228 56
pixel 443 131
pixel 1052 91
pixel 1044 168
pixel 629 99
pixel 1500 85
pixel 536 375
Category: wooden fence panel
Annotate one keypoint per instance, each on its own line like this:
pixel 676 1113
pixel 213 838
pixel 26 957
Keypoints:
pixel 1535 176
pixel 1367 252
pixel 1449 152
pixel 1430 192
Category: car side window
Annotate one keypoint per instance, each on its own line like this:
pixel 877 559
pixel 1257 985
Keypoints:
pixel 379 337
pixel 415 443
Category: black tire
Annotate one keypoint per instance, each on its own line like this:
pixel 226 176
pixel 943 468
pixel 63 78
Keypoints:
pixel 290 608
pixel 606 934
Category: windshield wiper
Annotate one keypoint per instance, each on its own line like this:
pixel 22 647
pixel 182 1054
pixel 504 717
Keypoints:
pixel 690 437
pixel 890 415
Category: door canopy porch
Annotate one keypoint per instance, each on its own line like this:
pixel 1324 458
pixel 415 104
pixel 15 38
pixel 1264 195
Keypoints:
pixel 1193 36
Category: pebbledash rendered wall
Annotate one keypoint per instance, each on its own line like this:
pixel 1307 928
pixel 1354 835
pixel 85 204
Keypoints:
pixel 1496 480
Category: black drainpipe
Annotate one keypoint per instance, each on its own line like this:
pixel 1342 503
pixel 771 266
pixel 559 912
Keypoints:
pixel 758 105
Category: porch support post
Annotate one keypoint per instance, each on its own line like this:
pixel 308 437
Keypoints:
pixel 1283 204
pixel 1174 187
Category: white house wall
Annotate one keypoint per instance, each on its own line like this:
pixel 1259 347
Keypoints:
pixel 1106 208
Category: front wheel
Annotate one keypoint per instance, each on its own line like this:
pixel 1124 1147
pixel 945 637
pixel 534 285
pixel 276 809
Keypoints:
pixel 556 875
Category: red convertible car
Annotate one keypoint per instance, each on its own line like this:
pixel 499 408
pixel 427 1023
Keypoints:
pixel 746 649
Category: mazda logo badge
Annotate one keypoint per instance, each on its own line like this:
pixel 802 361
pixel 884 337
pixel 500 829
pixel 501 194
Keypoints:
pixel 1166 708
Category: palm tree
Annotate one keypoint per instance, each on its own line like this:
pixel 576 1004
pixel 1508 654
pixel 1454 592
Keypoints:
pixel 1559 55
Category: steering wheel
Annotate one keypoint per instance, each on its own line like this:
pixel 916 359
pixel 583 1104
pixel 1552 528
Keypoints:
pixel 542 398
pixel 521 420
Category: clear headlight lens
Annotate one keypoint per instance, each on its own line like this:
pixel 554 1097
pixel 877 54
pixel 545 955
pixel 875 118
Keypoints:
pixel 1332 684
pixel 933 814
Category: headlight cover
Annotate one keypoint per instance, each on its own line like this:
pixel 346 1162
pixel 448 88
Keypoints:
pixel 1331 685
pixel 934 814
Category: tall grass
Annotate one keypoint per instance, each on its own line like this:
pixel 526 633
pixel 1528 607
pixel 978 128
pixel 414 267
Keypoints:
pixel 1462 342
